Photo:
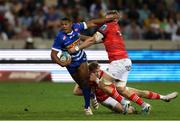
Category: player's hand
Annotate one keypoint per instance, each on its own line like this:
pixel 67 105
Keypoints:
pixel 72 50
pixel 93 77
pixel 66 63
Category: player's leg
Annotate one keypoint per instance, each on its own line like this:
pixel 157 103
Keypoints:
pixel 81 77
pixel 133 97
pixel 83 74
pixel 112 92
pixel 153 95
pixel 113 105
pixel 119 70
pixel 78 92
pixel 94 102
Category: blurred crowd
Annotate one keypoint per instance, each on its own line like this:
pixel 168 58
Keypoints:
pixel 140 19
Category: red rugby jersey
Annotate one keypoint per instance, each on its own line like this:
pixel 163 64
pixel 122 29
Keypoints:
pixel 113 41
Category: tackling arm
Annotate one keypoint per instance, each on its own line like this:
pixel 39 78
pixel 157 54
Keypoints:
pixel 96 38
pixel 96 22
pixel 84 37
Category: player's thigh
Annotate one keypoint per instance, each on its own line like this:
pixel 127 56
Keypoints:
pixel 75 76
pixel 140 93
pixel 83 71
pixel 77 79
pixel 133 90
pixel 106 79
pixel 122 81
pixel 110 103
pixel 119 69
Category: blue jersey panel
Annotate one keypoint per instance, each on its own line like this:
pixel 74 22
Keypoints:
pixel 64 41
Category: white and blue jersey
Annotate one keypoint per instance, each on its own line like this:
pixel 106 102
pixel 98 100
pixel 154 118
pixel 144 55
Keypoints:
pixel 64 41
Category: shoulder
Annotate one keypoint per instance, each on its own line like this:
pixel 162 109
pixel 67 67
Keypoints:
pixel 60 34
pixel 109 25
pixel 75 25
pixel 79 26
pixel 103 28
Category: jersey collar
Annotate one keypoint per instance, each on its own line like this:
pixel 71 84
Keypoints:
pixel 70 33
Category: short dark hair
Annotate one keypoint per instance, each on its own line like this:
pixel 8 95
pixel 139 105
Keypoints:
pixel 93 65
pixel 66 19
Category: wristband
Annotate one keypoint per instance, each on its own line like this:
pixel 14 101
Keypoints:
pixel 76 48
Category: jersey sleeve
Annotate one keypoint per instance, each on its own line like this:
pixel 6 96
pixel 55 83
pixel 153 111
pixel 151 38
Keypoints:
pixel 57 45
pixel 103 29
pixel 80 26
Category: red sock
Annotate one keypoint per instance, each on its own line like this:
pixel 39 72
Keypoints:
pixel 153 95
pixel 116 95
pixel 135 98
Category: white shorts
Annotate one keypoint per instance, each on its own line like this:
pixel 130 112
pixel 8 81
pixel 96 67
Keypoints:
pixel 119 70
pixel 110 102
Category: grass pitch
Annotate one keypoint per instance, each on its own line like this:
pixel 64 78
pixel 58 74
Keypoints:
pixel 54 101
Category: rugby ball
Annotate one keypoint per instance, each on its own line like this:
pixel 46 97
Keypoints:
pixel 64 56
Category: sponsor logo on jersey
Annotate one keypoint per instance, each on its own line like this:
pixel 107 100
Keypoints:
pixel 73 44
pixel 75 30
pixel 102 28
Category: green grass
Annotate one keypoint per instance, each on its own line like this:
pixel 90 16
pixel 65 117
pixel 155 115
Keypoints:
pixel 55 101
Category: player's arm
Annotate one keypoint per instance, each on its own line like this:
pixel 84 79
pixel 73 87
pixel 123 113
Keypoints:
pixel 56 48
pixel 96 22
pixel 84 37
pixel 89 41
pixel 56 59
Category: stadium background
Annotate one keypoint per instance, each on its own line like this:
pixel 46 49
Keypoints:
pixel 151 29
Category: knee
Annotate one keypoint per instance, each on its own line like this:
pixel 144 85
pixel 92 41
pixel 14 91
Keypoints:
pixel 121 89
pixel 87 78
pixel 85 81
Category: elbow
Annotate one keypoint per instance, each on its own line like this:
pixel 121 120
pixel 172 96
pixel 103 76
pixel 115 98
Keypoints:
pixel 52 56
pixel 91 24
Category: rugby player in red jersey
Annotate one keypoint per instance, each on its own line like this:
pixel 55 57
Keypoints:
pixel 120 65
pixel 103 98
pixel 109 102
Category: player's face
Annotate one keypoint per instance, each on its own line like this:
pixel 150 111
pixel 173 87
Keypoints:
pixel 97 72
pixel 67 26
